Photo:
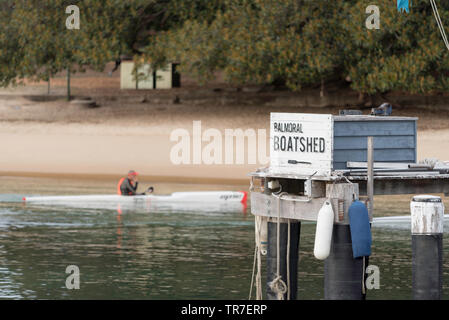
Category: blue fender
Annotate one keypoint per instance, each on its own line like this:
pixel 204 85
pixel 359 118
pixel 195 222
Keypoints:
pixel 360 229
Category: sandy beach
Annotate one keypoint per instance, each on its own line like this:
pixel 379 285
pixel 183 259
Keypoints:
pixel 54 137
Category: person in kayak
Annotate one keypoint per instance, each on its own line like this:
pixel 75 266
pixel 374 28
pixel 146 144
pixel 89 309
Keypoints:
pixel 128 186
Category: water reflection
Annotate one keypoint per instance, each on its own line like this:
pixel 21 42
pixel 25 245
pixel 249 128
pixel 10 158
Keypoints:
pixel 124 256
pixel 166 254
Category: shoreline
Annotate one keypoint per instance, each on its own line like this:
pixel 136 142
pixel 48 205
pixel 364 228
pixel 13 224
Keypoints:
pixel 116 177
pixel 75 163
pixel 53 138
pixel 88 152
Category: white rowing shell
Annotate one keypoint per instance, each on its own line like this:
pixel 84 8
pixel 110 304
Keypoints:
pixel 204 196
pixel 207 201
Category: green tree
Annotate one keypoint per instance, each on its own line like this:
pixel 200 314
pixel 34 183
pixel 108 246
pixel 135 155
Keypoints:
pixel 295 43
pixel 258 41
pixel 405 54
pixel 35 43
pixel 10 55
pixel 44 46
pixel 305 43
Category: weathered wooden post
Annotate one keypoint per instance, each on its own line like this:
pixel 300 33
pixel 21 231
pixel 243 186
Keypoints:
pixel 343 275
pixel 282 251
pixel 69 95
pixel 282 259
pixel 370 175
pixel 427 247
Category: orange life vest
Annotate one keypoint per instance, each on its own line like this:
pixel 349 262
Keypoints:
pixel 119 192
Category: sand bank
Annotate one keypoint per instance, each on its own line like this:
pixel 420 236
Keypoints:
pixel 54 138
pixel 110 151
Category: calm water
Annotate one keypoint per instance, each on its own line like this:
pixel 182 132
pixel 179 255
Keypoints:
pixel 160 255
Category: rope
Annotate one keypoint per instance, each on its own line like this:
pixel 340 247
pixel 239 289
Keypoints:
pixel 353 189
pixel 259 277
pixel 251 186
pixel 363 277
pixel 257 261
pixel 252 276
pixel 439 23
pixel 288 261
pixel 278 285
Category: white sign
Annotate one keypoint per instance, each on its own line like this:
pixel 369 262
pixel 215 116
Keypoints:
pixel 301 143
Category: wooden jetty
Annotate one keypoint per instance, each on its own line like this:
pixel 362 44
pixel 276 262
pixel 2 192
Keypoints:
pixel 318 159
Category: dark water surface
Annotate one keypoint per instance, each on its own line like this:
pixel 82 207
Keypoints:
pixel 160 255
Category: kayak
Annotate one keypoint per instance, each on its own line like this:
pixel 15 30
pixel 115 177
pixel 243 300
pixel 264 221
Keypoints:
pixel 190 201
pixel 204 196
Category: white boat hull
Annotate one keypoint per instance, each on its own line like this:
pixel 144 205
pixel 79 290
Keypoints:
pixel 214 201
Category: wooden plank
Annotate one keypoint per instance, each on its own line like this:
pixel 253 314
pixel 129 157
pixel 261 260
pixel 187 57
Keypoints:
pixel 347 193
pixel 341 165
pixel 293 176
pixel 394 173
pixel 267 205
pixel 378 165
pixel 380 142
pixel 416 142
pixel 380 155
pixel 349 118
pixel 411 173
pixel 406 185
pixel 392 165
pixel 374 128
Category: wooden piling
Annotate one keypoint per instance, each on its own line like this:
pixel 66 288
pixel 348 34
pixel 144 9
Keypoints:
pixel 69 95
pixel 285 246
pixel 427 215
pixel 370 182
pixel 343 275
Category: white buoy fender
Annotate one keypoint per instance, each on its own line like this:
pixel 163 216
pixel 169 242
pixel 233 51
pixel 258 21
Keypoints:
pixel 323 233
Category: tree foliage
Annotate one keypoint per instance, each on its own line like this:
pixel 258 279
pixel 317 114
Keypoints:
pixel 295 43
pixel 35 43
pixel 37 38
pixel 406 54
pixel 302 43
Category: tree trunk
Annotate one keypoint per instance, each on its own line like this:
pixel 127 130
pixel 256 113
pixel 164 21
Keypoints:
pixel 322 89
pixel 68 84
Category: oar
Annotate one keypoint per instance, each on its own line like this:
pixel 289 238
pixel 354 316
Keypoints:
pixel 149 190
